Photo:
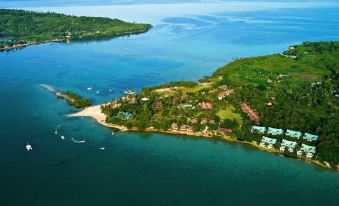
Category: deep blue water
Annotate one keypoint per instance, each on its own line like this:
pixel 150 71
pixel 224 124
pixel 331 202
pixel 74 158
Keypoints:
pixel 142 168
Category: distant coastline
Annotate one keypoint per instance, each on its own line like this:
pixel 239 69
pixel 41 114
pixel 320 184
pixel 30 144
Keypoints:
pixel 24 28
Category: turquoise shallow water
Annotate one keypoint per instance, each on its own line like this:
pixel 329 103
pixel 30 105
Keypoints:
pixel 142 168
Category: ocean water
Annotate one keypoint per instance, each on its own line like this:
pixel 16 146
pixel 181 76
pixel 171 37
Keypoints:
pixel 144 168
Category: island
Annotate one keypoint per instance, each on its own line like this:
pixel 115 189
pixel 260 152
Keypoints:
pixel 20 28
pixel 283 103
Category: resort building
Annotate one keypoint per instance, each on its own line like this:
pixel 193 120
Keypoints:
pixel 294 134
pixel 124 115
pixel 310 137
pixel 257 129
pixel 206 105
pixel 274 131
pixel 268 141
pixel 224 130
pixel 287 144
pixel 186 128
pixel 308 150
pixel 187 106
pixel 174 126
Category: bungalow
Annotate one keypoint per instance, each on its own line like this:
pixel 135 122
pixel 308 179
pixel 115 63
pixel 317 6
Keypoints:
pixel 186 128
pixel 224 130
pixel 174 126
pixel 204 121
pixel 269 141
pixel 206 105
pixel 256 129
pixel 310 137
pixel 294 134
pixel 274 131
pixel 194 121
pixel 308 150
pixel 289 144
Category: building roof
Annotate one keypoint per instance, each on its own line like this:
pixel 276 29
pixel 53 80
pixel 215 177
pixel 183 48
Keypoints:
pixel 307 148
pixel 287 143
pixel 268 140
pixel 258 129
pixel 224 130
pixel 292 133
pixel 310 137
pixel 275 131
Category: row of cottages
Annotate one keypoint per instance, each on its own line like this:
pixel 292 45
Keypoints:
pixel 309 151
pixel 289 133
pixel 268 142
pixel 287 144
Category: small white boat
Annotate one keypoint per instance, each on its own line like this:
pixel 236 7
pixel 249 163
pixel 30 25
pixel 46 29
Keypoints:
pixel 102 148
pixel 62 137
pixel 98 92
pixel 28 147
pixel 89 88
pixel 56 132
pixel 113 133
pixel 110 90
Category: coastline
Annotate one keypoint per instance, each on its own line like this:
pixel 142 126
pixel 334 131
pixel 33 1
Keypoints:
pixel 95 113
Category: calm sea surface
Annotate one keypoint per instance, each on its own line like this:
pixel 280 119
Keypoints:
pixel 143 168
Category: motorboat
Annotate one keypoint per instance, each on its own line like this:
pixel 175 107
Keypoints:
pixel 28 147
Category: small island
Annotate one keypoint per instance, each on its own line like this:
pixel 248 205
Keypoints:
pixel 19 28
pixel 283 103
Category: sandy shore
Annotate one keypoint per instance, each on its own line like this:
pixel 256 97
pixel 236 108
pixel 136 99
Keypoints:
pixel 95 113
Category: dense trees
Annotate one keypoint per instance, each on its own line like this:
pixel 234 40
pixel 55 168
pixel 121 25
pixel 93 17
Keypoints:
pixel 20 25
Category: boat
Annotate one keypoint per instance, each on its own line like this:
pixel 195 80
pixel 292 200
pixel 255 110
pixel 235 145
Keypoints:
pixel 102 148
pixel 98 92
pixel 62 137
pixel 56 132
pixel 28 147
pixel 89 88
pixel 113 133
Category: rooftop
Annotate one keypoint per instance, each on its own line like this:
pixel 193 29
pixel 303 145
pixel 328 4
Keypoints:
pixel 268 140
pixel 275 131
pixel 287 143
pixel 292 133
pixel 310 137
pixel 307 148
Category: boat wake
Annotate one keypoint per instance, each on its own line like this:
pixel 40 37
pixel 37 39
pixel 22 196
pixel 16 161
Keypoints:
pixel 78 141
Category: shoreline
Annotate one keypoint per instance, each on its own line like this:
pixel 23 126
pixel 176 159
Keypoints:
pixel 95 113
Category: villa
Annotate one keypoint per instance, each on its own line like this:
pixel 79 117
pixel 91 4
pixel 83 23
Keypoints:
pixel 257 129
pixel 186 128
pixel 274 131
pixel 294 134
pixel 269 141
pixel 308 150
pixel 206 105
pixel 224 130
pixel 174 126
pixel 289 144
pixel 310 137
